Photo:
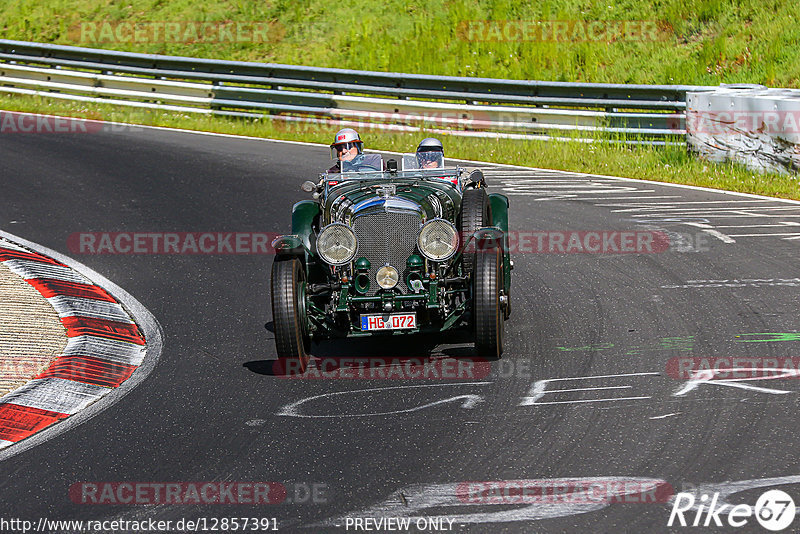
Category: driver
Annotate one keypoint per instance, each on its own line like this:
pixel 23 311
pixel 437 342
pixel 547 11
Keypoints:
pixel 430 153
pixel 347 150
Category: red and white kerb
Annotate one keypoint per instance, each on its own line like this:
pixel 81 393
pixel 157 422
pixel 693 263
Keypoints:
pixel 104 347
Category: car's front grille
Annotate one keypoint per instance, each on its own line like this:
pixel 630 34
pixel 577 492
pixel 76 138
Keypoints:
pixel 386 237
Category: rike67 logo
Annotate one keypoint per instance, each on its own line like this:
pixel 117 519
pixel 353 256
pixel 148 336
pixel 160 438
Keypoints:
pixel 774 510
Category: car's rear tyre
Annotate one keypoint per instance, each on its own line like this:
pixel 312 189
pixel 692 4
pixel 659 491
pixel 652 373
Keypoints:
pixel 488 315
pixel 292 338
pixel 475 214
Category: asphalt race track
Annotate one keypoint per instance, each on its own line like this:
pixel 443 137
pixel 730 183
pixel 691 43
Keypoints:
pixel 586 389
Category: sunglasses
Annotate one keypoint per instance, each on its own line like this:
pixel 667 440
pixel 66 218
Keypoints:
pixel 346 146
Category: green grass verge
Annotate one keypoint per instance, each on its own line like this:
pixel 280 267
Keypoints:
pixel 668 164
pixel 702 42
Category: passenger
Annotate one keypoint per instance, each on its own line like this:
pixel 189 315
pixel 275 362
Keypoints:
pixel 430 154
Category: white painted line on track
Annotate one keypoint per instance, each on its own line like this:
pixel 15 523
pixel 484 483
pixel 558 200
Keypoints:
pixel 513 190
pixel 704 210
pixel 539 389
pixel 600 376
pixel 587 389
pixel 707 228
pixel 665 415
pixel 733 215
pixel 531 179
pixel 629 198
pixel 782 224
pixel 558 188
pixel 765 235
pixel 527 191
pixel 722 237
pixel 750 213
pixel 540 403
pixel 649 182
pixel 657 204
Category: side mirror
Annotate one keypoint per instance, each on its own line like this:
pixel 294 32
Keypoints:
pixel 308 186
pixel 391 166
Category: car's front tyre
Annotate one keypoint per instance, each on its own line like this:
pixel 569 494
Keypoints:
pixel 292 338
pixel 488 314
pixel 475 214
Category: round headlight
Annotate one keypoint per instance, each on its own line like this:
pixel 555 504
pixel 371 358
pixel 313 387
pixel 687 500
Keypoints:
pixel 337 244
pixel 438 240
pixel 387 277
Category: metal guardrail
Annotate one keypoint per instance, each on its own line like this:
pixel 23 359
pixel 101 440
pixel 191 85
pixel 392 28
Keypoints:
pixel 456 105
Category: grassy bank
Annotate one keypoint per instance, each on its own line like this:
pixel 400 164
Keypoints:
pixel 679 41
pixel 670 164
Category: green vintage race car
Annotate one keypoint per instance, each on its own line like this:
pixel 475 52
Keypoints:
pixel 393 252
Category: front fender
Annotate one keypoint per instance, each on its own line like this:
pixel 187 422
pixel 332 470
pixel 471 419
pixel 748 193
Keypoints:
pixel 499 204
pixel 303 215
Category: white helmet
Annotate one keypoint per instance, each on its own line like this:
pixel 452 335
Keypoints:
pixel 343 138
pixel 430 144
pixel 430 153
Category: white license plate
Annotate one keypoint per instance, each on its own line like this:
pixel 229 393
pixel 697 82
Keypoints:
pixel 394 321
